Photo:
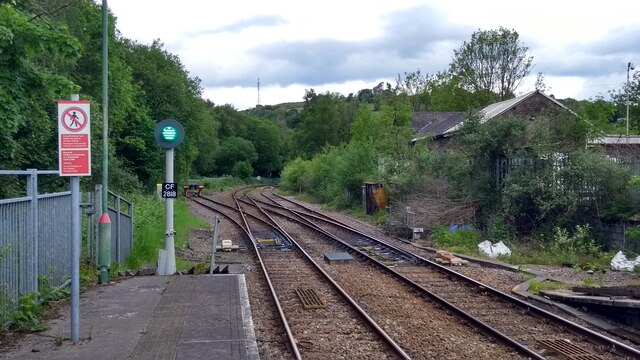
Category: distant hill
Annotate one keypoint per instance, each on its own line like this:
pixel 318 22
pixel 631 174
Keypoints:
pixel 287 106
pixel 285 115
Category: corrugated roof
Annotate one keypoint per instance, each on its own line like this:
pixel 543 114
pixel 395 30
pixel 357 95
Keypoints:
pixel 499 108
pixel 616 140
pixel 446 123
pixel 434 122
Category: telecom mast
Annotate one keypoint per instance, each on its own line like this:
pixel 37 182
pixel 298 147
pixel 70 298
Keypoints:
pixel 258 93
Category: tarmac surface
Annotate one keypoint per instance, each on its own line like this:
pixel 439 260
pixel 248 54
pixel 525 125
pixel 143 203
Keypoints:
pixel 153 317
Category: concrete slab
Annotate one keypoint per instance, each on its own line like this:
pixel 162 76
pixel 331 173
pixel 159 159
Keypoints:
pixel 337 258
pixel 573 297
pixel 112 320
pixel 201 317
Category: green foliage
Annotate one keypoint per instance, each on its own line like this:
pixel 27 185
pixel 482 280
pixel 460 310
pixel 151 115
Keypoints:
pixel 574 248
pixel 234 150
pixel 285 116
pixel 212 185
pixel 619 98
pixel 552 181
pixel 242 170
pixel 293 175
pixel 326 119
pixel 493 61
pixel 601 113
pixel 461 241
pixel 148 230
pixel 149 225
pixel 535 286
pixel 499 231
pixel 6 306
pixel 578 243
pixel 414 85
pixel 31 56
pixel 28 317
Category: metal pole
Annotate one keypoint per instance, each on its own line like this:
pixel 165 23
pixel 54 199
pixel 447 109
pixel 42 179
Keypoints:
pixel 34 238
pixel 105 224
pixel 170 264
pixel 216 226
pixel 118 235
pixel 628 68
pixel 75 258
pixel 75 253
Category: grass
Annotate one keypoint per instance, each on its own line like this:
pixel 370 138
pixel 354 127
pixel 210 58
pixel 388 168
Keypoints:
pixel 213 185
pixel 461 241
pixel 543 256
pixel 536 286
pixel 579 250
pixel 149 228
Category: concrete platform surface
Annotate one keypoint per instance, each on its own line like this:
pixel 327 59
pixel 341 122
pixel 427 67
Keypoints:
pixel 153 317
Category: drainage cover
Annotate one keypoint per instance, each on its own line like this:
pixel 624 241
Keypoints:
pixel 309 298
pixel 568 349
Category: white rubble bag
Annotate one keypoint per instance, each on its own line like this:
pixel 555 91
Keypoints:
pixel 621 263
pixel 493 250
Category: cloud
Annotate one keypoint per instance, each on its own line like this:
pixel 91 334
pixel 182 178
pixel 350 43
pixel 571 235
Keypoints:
pixel 418 37
pixel 238 26
pixel 620 41
pixel 601 57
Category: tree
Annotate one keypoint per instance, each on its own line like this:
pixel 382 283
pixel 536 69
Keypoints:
pixel 599 112
pixel 232 151
pixel 414 85
pixel 494 61
pixel 620 99
pixel 31 54
pixel 540 85
pixel 267 140
pixel 325 122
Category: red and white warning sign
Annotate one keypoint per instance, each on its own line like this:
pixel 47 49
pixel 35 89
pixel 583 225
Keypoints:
pixel 74 138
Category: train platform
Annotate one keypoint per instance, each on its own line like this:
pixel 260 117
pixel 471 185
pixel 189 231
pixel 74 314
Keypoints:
pixel 153 317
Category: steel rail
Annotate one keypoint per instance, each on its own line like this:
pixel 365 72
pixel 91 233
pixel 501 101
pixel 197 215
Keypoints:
pixel 479 323
pixel 355 305
pixel 285 323
pixel 612 344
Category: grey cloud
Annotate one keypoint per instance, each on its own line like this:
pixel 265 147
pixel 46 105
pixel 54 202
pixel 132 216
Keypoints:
pixel 416 37
pixel 595 57
pixel 580 65
pixel 264 21
pixel 621 41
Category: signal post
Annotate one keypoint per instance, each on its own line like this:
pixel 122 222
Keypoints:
pixel 168 134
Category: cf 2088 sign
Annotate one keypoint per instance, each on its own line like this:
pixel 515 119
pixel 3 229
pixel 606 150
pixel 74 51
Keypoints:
pixel 74 138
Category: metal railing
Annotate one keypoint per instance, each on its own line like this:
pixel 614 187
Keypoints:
pixel 121 216
pixel 35 236
pixel 35 233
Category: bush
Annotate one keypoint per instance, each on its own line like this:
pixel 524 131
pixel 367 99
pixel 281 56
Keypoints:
pixel 242 170
pixel 461 241
pixel 150 227
pixel 293 175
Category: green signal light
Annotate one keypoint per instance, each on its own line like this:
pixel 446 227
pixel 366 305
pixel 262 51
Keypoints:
pixel 169 133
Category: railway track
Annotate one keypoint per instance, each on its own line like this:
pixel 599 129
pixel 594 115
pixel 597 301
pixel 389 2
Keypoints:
pixel 318 316
pixel 429 333
pixel 535 331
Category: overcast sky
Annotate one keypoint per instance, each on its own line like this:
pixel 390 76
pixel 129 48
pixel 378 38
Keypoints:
pixel 344 46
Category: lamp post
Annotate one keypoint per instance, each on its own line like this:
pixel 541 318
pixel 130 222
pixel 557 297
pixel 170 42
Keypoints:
pixel 629 68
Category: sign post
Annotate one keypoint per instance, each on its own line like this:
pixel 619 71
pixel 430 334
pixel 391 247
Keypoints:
pixel 169 134
pixel 74 156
